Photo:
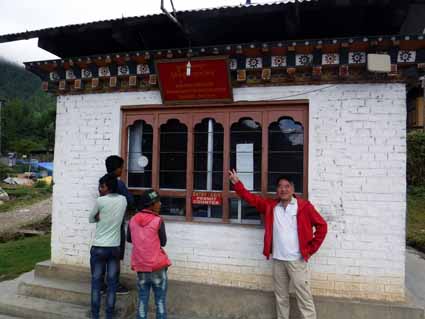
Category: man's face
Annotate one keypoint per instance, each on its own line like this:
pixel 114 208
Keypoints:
pixel 285 190
pixel 103 189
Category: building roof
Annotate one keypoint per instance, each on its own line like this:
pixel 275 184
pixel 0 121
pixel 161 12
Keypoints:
pixel 300 19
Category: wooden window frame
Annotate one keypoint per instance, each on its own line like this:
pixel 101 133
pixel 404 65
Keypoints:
pixel 263 112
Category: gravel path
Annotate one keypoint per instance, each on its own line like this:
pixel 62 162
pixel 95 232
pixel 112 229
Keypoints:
pixel 13 220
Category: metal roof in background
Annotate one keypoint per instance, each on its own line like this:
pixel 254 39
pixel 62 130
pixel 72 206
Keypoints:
pixel 283 20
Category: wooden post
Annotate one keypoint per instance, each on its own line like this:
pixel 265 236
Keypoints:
pixel 226 167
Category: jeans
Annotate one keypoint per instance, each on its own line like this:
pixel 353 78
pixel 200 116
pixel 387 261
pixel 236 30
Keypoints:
pixel 159 283
pixel 104 259
pixel 122 253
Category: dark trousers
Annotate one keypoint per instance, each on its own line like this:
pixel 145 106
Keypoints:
pixel 121 255
pixel 104 260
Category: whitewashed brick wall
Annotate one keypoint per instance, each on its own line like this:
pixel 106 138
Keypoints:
pixel 357 173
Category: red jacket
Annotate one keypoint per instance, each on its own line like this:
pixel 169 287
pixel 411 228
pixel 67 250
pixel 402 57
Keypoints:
pixel 307 218
pixel 147 254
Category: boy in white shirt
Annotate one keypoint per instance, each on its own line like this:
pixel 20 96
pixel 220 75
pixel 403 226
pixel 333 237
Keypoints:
pixel 108 214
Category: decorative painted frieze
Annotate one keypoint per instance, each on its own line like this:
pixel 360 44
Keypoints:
pixel 330 59
pixel 69 75
pixel 104 71
pixel 123 70
pixel 303 59
pixel 143 69
pixel 86 74
pixel 278 61
pixel 233 64
pixel 357 57
pixel 54 76
pixel 406 56
pixel 254 63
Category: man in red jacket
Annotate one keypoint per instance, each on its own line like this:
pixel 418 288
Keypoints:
pixel 289 237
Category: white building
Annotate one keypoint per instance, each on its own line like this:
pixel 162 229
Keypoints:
pixel 307 108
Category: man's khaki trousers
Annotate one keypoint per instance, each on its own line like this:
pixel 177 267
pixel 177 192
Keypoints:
pixel 298 274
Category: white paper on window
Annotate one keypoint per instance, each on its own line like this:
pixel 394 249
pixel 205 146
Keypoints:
pixel 135 158
pixel 245 164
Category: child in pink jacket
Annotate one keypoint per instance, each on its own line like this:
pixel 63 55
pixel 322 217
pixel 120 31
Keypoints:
pixel 146 231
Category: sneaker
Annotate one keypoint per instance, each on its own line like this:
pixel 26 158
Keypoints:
pixel 121 290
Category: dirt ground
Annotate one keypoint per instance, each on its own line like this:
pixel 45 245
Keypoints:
pixel 11 221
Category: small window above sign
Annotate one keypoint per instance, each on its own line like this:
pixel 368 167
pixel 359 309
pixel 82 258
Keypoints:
pixel 207 82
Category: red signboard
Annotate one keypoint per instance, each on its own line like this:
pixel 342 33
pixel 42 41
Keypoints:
pixel 206 198
pixel 209 80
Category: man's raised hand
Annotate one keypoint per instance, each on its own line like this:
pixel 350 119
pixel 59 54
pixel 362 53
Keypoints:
pixel 233 176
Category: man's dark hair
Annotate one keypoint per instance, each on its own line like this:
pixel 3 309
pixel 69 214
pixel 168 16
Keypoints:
pixel 110 181
pixel 113 162
pixel 286 178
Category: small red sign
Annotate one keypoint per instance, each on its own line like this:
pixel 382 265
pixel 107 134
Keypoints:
pixel 206 198
pixel 207 81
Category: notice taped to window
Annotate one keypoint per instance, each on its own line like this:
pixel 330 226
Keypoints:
pixel 245 164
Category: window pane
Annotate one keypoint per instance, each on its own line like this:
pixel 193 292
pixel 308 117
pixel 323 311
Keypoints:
pixel 201 161
pixel 286 153
pixel 172 180
pixel 202 211
pixel 173 155
pixel 245 155
pixel 201 139
pixel 284 142
pixel 199 182
pixel 286 134
pixel 140 179
pixel 140 155
pixel 286 162
pixel 173 161
pixel 172 206
pixel 247 212
pixel 233 206
pixel 208 158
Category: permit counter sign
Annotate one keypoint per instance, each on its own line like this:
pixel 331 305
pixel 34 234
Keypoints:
pixel 206 198
pixel 207 82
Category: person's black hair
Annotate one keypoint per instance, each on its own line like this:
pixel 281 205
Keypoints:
pixel 113 162
pixel 286 178
pixel 110 181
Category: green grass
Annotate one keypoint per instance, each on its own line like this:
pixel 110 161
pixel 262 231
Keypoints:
pixel 19 256
pixel 22 196
pixel 416 218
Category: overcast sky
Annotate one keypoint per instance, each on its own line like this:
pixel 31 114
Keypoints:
pixel 22 15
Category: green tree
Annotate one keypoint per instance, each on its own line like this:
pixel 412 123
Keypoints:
pixel 28 116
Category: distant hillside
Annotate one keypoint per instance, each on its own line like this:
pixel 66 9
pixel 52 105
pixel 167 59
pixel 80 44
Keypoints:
pixel 16 82
pixel 28 116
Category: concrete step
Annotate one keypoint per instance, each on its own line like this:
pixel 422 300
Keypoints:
pixel 29 307
pixel 9 317
pixel 66 291
pixel 47 270
pixel 28 297
pixel 14 305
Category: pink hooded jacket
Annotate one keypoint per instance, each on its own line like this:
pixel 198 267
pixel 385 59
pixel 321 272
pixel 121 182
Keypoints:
pixel 147 254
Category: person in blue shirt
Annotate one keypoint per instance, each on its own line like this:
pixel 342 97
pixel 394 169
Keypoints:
pixel 114 166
